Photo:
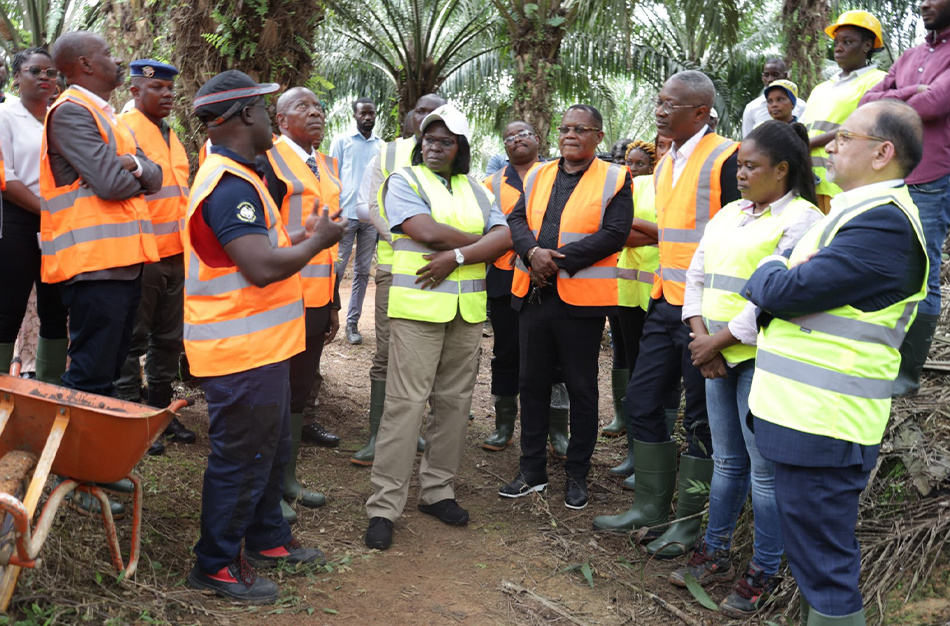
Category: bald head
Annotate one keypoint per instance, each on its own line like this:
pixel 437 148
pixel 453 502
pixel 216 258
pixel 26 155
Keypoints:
pixel 698 87
pixel 70 47
pixel 898 123
pixel 287 99
pixel 424 105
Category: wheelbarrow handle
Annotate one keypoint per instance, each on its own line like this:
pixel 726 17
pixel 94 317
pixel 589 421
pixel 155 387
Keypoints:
pixel 179 404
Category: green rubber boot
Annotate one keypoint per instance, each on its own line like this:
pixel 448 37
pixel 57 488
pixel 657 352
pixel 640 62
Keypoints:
pixel 377 399
pixel 293 490
pixel 679 537
pixel 288 512
pixel 656 480
pixel 630 484
pixel 804 608
pixel 506 413
pixel 627 467
pixel 818 619
pixel 51 360
pixel 6 357
pixel 618 386
pixel 421 444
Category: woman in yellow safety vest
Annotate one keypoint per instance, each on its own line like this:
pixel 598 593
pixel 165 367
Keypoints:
pixel 445 229
pixel 777 207
pixel 857 36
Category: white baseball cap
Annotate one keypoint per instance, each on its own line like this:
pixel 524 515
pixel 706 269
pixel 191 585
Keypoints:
pixel 454 119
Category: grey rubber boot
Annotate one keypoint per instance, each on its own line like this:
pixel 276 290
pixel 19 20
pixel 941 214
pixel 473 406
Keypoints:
pixel 51 360
pixel 377 399
pixel 506 413
pixel 679 537
pixel 293 490
pixel 618 387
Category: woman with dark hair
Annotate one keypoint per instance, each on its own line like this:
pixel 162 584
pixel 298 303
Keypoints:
pixel 445 229
pixel 857 36
pixel 21 137
pixel 777 207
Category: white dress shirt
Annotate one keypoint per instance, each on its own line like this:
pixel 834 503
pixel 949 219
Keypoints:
pixel 681 154
pixel 21 137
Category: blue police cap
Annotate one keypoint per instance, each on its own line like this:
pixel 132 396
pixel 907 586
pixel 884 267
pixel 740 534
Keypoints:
pixel 150 68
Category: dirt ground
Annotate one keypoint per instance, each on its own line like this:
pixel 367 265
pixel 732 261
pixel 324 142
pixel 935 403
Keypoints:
pixel 433 574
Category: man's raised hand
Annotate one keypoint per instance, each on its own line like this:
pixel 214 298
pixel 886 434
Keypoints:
pixel 327 228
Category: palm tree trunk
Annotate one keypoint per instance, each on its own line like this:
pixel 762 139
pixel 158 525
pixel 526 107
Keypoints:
pixel 803 22
pixel 535 49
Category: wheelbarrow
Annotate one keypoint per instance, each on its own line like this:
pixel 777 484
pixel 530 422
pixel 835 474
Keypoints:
pixel 84 437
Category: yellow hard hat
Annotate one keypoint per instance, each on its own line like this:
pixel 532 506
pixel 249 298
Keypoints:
pixel 861 19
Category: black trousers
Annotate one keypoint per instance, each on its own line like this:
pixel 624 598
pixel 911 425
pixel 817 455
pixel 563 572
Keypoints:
pixel 550 338
pixel 19 271
pixel 664 355
pixel 101 317
pixel 304 366
pixel 506 353
pixel 625 330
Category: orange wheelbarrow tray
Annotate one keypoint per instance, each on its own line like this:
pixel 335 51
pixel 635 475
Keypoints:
pixel 83 436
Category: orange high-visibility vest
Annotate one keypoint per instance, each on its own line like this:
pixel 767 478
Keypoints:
pixel 168 206
pixel 683 211
pixel 231 325
pixel 583 215
pixel 507 197
pixel 203 152
pixel 303 190
pixel 80 232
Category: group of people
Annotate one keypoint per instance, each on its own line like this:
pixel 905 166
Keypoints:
pixel 746 277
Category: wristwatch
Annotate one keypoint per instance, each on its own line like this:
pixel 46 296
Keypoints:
pixel 459 257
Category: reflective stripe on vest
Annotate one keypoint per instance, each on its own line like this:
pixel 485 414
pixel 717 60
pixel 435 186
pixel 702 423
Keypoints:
pixel 684 210
pixel 832 373
pixel 466 207
pixel 80 232
pixel 733 245
pixel 303 191
pixel 168 205
pixel 637 266
pixel 829 105
pixel 583 215
pixel 231 325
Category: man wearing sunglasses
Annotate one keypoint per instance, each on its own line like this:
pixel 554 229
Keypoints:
pixel 566 229
pixel 839 308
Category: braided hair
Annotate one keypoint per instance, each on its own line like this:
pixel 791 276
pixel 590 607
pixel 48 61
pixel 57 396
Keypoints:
pixel 648 148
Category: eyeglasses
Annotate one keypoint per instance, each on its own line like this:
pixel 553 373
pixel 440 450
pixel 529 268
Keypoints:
pixel 51 72
pixel 668 107
pixel 523 134
pixel 847 134
pixel 580 130
pixel 433 141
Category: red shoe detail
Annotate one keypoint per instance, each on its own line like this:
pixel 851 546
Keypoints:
pixel 277 553
pixel 224 575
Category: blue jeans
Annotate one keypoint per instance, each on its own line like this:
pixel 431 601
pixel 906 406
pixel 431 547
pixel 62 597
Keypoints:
pixel 737 464
pixel 933 204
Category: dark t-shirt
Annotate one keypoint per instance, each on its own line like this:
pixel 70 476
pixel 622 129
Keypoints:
pixel 234 208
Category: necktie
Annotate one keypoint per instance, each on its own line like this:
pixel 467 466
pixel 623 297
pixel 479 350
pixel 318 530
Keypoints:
pixel 312 164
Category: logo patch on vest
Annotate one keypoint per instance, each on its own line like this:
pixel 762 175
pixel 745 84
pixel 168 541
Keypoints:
pixel 246 212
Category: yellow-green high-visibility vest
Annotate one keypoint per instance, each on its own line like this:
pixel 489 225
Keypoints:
pixel 827 108
pixel 637 266
pixel 392 156
pixel 467 208
pixel 831 373
pixel 731 254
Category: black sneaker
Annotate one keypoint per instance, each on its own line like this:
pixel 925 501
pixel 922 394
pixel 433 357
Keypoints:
pixel 379 535
pixel 292 553
pixel 447 511
pixel 707 568
pixel 176 431
pixel 237 582
pixel 315 433
pixel 750 590
pixel 575 493
pixel 521 486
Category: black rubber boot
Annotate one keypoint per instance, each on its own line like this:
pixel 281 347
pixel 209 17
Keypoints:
pixel 914 351
pixel 680 536
pixel 618 387
pixel 656 480
pixel 506 412
pixel 377 399
pixel 293 491
pixel 51 360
